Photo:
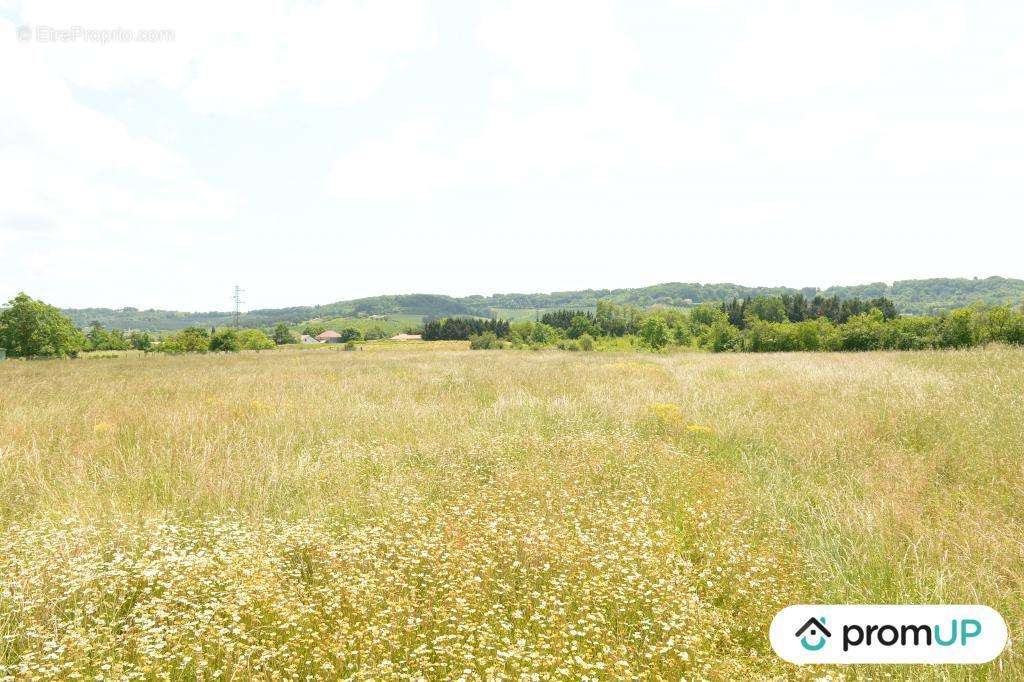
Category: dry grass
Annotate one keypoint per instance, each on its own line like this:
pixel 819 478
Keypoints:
pixel 432 512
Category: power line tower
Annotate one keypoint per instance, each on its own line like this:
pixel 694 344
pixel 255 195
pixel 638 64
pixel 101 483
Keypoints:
pixel 237 296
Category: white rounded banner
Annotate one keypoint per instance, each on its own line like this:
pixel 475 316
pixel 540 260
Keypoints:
pixel 843 633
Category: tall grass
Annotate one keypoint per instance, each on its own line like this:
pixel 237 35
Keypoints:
pixel 441 513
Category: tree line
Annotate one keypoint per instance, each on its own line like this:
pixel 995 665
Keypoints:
pixel 911 297
pixel 765 324
pixel 31 328
pixel 789 322
pixel 462 328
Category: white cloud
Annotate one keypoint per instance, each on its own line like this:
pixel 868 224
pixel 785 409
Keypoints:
pixel 70 172
pixel 623 132
pixel 231 56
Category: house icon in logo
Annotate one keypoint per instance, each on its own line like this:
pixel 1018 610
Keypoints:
pixel 815 628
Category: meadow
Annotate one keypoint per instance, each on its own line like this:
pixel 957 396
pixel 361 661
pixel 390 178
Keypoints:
pixel 422 511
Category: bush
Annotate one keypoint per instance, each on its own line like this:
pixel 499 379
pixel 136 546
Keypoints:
pixel 569 344
pixel 586 342
pixel 485 341
pixel 188 340
pixel 140 341
pixel 254 339
pixel 226 340
pixel 351 345
pixel 721 336
pixel 654 333
pixel 582 324
pixel 533 334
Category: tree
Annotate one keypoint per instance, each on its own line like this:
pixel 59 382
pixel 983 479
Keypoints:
pixel 654 333
pixel 720 337
pixel 765 308
pixel 314 329
pixel 140 341
pixel 97 337
pixel 225 340
pixel 351 334
pixel 282 335
pixel 32 328
pixel 582 324
pixel 188 340
pixel 253 339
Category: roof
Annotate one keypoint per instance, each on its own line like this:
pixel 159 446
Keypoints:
pixel 406 337
pixel 329 334
pixel 814 622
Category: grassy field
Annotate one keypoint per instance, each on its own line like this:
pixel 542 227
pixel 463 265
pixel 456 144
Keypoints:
pixel 426 511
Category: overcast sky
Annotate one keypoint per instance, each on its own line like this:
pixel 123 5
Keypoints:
pixel 323 151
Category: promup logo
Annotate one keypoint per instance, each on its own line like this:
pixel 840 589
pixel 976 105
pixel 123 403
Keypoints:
pixel 817 629
pixel 888 634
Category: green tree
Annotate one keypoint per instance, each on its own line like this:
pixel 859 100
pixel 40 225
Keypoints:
pixel 29 327
pixel 116 340
pixel 351 334
pixel 253 339
pixel 97 337
pixel 282 335
pixel 707 314
pixel 767 309
pixel 225 340
pixel 188 340
pixel 956 330
pixel 721 336
pixel 140 341
pixel 314 329
pixel 580 325
pixel 654 333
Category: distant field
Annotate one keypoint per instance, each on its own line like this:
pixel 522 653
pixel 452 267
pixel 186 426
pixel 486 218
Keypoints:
pixel 426 511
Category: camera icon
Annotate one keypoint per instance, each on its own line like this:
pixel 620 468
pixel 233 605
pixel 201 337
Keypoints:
pixel 24 34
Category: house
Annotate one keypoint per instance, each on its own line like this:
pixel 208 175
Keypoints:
pixel 306 338
pixel 407 337
pixel 329 336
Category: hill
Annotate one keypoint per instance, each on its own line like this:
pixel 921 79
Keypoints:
pixel 912 297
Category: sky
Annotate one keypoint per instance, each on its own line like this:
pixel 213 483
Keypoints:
pixel 155 155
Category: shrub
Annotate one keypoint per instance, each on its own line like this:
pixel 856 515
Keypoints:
pixel 225 340
pixel 569 344
pixel 654 333
pixel 485 341
pixel 582 324
pixel 351 345
pixel 188 340
pixel 586 342
pixel 720 337
pixel 254 339
pixel 534 334
pixel 140 341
